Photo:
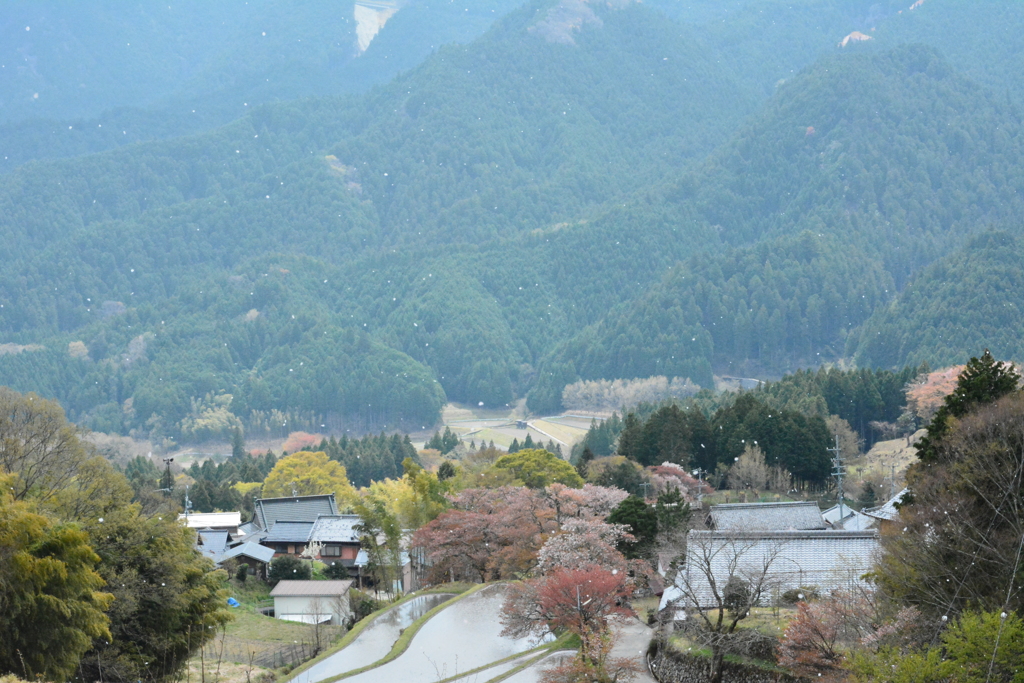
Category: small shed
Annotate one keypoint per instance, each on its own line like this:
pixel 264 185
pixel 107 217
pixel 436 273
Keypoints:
pixel 257 556
pixel 312 602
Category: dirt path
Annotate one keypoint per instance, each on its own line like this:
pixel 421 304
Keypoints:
pixel 631 640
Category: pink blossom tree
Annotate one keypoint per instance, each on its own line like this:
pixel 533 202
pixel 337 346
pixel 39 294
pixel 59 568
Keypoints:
pixel 581 601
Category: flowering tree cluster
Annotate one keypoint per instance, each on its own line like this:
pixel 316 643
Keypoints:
pixel 584 543
pixel 578 600
pixel 669 476
pixel 817 642
pixel 498 533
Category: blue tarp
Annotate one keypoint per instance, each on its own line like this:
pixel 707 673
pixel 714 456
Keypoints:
pixel 233 602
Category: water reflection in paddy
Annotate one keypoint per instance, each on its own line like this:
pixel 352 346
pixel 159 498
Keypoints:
pixel 462 637
pixel 375 641
pixel 532 673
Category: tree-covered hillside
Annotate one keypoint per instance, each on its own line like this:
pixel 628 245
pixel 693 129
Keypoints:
pixel 515 214
pixel 859 172
pixel 971 299
pixel 79 78
pixel 159 239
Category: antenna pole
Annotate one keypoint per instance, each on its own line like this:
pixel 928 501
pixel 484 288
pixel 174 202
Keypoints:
pixel 700 487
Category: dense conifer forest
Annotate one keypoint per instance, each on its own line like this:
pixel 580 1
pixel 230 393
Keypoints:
pixel 661 190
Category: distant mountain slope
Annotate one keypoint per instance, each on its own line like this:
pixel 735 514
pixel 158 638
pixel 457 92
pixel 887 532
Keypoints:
pixel 66 60
pixel 388 183
pixel 77 78
pixel 970 300
pixel 858 173
pixel 519 213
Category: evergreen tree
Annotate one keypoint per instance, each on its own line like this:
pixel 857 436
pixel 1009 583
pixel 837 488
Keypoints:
pixel 583 463
pixel 982 381
pixel 629 438
pixel 642 520
pixel 238 444
pixel 446 470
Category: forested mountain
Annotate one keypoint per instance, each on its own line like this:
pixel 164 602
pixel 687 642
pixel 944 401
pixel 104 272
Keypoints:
pixel 971 299
pixel 586 191
pixel 79 78
pixel 859 172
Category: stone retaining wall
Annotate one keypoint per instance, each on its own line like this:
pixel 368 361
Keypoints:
pixel 670 666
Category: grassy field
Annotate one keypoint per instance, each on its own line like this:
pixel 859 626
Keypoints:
pixel 876 465
pixel 214 671
pixel 251 631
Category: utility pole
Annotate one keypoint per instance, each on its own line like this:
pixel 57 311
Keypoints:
pixel 646 485
pixel 167 482
pixel 700 487
pixel 838 470
pixel 188 505
pixel 892 480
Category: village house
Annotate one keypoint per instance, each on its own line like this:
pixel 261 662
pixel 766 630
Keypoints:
pixel 312 602
pixel 268 511
pixel 220 521
pixel 782 546
pixel 780 561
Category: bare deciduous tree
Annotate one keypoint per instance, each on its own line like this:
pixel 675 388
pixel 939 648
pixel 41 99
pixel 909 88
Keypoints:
pixel 750 470
pixel 957 537
pixel 726 574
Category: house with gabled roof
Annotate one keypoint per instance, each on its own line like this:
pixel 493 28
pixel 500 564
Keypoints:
pixel 823 559
pixel 287 537
pixel 256 556
pixel 337 538
pixel 269 511
pixel 889 511
pixel 796 516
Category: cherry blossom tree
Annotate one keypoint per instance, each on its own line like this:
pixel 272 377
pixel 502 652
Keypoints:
pixel 581 601
pixel 488 534
pixel 498 533
pixel 583 543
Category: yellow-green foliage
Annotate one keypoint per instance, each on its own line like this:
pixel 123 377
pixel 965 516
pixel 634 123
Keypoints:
pixel 248 488
pixel 415 499
pixel 50 600
pixel 210 417
pixel 966 654
pixel 310 473
pixel 538 468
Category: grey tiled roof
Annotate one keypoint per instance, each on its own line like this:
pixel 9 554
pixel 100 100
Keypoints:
pixel 310 588
pixel 889 511
pixel 335 529
pixel 294 508
pixel 253 550
pixel 766 516
pixel 288 532
pixel 826 559
pixel 214 541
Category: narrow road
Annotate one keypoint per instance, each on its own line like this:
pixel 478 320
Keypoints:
pixel 631 640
